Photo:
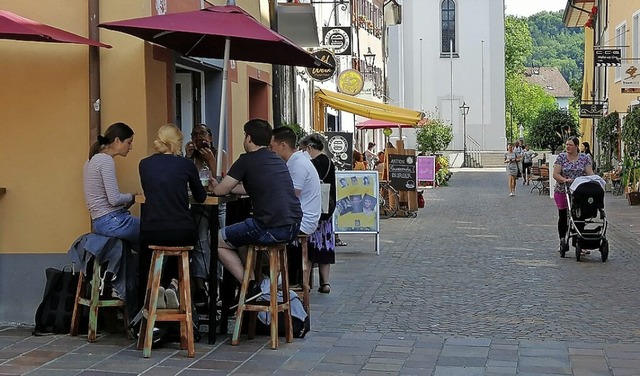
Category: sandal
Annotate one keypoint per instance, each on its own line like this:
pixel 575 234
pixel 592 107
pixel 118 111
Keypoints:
pixel 324 288
pixel 341 243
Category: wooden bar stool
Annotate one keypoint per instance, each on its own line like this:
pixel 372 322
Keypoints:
pixel 94 303
pixel 183 314
pixel 277 254
pixel 306 272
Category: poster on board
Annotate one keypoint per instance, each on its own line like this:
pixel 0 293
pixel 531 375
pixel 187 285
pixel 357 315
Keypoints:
pixel 402 172
pixel 357 202
pixel 426 170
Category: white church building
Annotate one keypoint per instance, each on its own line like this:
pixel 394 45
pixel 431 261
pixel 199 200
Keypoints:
pixel 446 54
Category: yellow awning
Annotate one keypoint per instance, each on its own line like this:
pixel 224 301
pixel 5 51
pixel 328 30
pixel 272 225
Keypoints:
pixel 362 107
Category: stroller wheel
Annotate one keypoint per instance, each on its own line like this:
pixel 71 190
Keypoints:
pixel 578 251
pixel 604 250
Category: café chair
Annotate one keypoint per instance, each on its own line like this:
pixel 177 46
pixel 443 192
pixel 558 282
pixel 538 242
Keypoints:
pixel 277 254
pixel 94 303
pixel 183 314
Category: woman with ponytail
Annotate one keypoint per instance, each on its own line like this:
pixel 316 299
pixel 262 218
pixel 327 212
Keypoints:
pixel 108 206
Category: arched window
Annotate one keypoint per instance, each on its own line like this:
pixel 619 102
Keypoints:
pixel 448 26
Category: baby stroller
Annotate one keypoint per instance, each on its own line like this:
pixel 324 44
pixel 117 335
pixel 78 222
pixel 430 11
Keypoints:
pixel 587 223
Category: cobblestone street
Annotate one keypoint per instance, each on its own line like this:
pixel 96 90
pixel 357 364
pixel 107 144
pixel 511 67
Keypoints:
pixel 472 286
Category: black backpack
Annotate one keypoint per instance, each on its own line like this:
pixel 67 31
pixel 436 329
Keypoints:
pixel 54 312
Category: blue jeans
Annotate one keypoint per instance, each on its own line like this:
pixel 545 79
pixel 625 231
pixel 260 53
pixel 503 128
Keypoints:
pixel 119 224
pixel 251 232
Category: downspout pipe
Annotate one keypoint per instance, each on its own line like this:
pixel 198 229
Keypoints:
pixel 94 72
pixel 276 71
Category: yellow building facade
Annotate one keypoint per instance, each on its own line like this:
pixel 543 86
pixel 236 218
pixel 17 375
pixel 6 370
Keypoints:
pixel 45 114
pixel 623 32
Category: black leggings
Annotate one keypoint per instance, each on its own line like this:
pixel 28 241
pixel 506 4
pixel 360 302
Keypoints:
pixel 562 223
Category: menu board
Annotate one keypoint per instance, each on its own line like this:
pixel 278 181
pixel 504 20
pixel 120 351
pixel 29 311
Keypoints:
pixel 402 172
pixel 426 168
pixel 357 202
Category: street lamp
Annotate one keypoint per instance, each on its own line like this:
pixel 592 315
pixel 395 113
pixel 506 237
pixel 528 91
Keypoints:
pixel 464 110
pixel 369 60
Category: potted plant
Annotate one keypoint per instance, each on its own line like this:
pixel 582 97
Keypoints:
pixel 434 135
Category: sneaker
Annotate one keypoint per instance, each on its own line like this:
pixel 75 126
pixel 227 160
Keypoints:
pixel 253 292
pixel 171 295
pixel 161 304
pixel 511 194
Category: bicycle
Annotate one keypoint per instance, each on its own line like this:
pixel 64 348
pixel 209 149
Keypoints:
pixel 389 200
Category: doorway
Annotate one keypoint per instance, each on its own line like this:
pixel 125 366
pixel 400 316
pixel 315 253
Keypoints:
pixel 188 101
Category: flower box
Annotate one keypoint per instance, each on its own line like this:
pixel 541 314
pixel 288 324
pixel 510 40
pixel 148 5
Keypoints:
pixel 633 198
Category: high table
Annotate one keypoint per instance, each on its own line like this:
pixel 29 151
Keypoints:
pixel 235 215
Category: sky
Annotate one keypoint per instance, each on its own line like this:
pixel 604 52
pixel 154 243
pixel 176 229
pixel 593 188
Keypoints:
pixel 525 8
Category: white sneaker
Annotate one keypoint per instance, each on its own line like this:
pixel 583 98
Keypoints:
pixel 511 194
pixel 171 295
pixel 161 304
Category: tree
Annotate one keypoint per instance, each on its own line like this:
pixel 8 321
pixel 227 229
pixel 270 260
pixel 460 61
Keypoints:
pixel 552 128
pixel 433 136
pixel 556 45
pixel 518 44
pixel 607 135
pixel 527 101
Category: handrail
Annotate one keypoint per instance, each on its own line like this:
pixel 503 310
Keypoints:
pixel 474 152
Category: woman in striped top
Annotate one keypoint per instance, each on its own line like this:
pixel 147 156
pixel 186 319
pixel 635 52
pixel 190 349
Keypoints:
pixel 108 207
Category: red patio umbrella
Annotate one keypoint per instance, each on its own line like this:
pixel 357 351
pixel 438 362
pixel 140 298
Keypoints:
pixel 17 27
pixel 378 124
pixel 221 32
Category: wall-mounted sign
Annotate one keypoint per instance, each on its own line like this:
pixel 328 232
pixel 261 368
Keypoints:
pixel 630 75
pixel 338 39
pixel 610 57
pixel 350 82
pixel 323 74
pixel 591 110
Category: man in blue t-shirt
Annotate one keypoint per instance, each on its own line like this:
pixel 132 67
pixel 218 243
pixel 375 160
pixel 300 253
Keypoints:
pixel 263 176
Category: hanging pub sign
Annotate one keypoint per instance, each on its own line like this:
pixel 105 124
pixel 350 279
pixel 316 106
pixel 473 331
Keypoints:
pixel 350 82
pixel 609 57
pixel 591 109
pixel 323 74
pixel 340 149
pixel 338 39
pixel 402 172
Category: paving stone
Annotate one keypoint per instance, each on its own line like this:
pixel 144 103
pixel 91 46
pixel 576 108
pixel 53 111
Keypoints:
pixel 464 288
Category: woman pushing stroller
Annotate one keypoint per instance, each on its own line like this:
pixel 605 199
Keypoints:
pixel 568 166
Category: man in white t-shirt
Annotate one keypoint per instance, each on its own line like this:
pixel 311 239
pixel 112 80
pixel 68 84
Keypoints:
pixel 306 181
pixel 306 184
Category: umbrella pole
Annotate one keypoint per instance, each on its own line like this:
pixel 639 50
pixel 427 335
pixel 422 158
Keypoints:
pixel 223 106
